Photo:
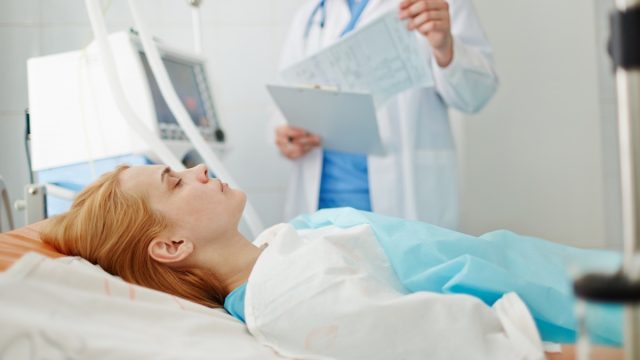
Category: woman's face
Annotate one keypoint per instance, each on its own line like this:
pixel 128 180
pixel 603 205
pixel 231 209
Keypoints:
pixel 198 208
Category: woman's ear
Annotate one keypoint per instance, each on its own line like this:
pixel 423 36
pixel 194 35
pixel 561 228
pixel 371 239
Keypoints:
pixel 169 251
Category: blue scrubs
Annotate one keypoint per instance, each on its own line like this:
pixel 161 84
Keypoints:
pixel 345 179
pixel 234 302
pixel 344 182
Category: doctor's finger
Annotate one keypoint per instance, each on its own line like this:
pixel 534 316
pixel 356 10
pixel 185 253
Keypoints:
pixel 404 4
pixel 432 26
pixel 315 140
pixel 425 17
pixel 309 139
pixel 283 148
pixel 282 141
pixel 308 147
pixel 287 149
pixel 284 137
pixel 420 6
pixel 289 131
pixel 295 151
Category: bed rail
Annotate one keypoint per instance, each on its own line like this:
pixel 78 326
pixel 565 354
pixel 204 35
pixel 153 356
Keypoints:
pixel 7 205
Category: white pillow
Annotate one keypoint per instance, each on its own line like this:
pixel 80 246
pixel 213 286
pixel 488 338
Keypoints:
pixel 70 309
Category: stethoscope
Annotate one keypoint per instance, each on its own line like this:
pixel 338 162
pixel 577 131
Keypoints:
pixel 356 9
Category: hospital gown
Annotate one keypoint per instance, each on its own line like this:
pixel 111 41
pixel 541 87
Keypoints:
pixel 351 284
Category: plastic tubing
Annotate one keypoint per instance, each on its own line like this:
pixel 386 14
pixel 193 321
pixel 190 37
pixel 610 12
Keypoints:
pixel 151 139
pixel 182 116
pixel 197 28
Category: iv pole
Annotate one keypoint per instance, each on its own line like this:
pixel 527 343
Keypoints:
pixel 626 55
pixel 624 286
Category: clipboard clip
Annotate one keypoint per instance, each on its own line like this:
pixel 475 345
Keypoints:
pixel 334 88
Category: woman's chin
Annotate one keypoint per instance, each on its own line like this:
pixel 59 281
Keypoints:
pixel 243 199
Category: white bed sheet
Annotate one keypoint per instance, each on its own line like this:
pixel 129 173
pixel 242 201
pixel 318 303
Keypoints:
pixel 70 309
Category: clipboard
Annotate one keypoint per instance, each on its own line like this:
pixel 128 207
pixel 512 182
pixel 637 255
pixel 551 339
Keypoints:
pixel 345 121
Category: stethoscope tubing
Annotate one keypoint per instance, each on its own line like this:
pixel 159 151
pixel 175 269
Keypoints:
pixel 321 7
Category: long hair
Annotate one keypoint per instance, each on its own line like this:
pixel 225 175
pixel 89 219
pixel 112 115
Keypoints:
pixel 112 228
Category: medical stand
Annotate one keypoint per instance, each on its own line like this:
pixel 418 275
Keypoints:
pixel 34 201
pixel 197 25
pixel 624 286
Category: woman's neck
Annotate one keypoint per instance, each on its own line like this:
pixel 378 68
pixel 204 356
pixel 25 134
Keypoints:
pixel 233 261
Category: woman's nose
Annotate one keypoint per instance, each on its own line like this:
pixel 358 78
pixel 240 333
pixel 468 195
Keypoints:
pixel 202 173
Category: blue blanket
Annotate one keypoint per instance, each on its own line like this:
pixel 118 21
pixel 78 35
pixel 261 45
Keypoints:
pixel 429 258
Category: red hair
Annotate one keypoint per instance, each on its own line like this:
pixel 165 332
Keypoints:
pixel 113 229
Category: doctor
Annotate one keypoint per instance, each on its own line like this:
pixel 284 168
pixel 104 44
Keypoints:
pixel 416 179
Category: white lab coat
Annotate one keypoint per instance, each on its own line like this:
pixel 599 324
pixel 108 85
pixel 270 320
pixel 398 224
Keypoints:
pixel 417 177
pixel 331 293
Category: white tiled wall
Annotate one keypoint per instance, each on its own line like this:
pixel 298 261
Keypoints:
pixel 19 12
pixel 242 41
pixel 535 158
pixel 19 40
pixel 18 43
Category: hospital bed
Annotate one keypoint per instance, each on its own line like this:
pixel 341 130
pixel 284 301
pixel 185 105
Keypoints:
pixel 59 307
pixel 53 306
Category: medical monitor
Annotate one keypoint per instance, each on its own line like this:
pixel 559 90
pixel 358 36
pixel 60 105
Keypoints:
pixel 190 82
pixel 75 119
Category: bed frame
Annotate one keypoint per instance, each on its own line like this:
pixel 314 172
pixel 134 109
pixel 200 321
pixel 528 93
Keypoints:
pixel 14 244
pixel 7 205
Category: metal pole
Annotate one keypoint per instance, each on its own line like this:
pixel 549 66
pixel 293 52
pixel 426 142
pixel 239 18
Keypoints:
pixel 197 25
pixel 628 91
pixel 4 193
pixel 628 86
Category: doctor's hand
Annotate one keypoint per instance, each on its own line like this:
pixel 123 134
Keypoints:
pixel 295 142
pixel 432 19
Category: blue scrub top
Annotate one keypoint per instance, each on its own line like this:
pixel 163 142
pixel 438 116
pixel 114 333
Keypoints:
pixel 345 178
pixel 234 302
pixel 344 181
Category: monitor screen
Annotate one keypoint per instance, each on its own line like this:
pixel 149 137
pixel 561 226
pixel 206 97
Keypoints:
pixel 189 81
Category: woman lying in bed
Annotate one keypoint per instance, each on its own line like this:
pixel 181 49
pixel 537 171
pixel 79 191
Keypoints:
pixel 337 284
